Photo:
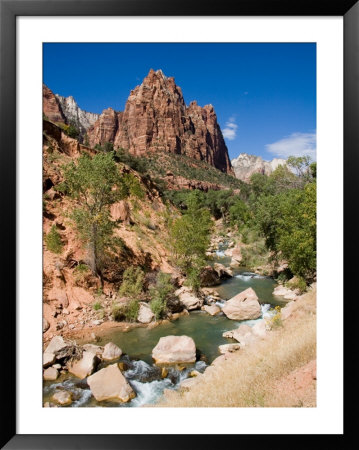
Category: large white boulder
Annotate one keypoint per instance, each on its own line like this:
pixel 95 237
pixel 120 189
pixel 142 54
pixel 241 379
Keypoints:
pixel 51 373
pixel 174 349
pixel 188 299
pixel 57 343
pixel 243 306
pixel 213 310
pixel 110 384
pixel 145 314
pixel 85 366
pixel 111 352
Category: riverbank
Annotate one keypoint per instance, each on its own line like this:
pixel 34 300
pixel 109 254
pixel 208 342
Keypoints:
pixel 277 371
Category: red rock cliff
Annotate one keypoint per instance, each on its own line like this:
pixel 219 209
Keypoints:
pixel 156 118
pixel 51 106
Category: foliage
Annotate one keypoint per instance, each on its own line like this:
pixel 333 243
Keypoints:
pixel 239 213
pixel 81 268
pixel 288 222
pixel 53 240
pixel 94 183
pixel 190 235
pixel 276 320
pixel 160 293
pixel 132 186
pixel 97 305
pixel 132 283
pixel 297 283
pixel 136 163
pixel 128 311
pixel 72 131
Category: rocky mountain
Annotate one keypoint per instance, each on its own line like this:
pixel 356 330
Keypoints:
pixel 80 118
pixel 156 118
pixel 246 165
pixel 51 107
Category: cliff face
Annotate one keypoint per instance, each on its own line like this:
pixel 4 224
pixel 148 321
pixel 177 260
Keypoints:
pixel 245 166
pixel 156 119
pixel 51 106
pixel 81 119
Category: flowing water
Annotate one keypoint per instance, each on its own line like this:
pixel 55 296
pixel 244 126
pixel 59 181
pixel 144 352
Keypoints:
pixel 137 344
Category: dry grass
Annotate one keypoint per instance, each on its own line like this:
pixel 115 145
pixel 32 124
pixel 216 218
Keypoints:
pixel 256 375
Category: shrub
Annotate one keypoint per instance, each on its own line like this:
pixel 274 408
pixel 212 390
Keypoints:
pixel 160 293
pixel 158 307
pixel 132 284
pixel 297 283
pixel 72 131
pixel 276 320
pixel 53 240
pixel 128 312
pixel 81 268
pixel 97 305
pixel 193 278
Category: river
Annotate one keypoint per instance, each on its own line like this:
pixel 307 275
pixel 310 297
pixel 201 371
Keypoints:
pixel 137 344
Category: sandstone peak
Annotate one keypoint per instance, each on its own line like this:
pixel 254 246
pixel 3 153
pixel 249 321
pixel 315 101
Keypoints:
pixel 156 119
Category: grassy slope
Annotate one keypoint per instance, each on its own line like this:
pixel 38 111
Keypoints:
pixel 255 375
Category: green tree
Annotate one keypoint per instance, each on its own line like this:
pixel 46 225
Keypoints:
pixel 160 293
pixel 95 183
pixel 72 131
pixel 53 240
pixel 190 237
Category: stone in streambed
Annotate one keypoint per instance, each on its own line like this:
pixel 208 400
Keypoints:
pixel 63 398
pixel 111 352
pixel 174 350
pixel 110 384
pixel 188 299
pixel 213 310
pixel 145 314
pixel 243 306
pixel 48 359
pixel 51 374
pixel 57 343
pixel 84 366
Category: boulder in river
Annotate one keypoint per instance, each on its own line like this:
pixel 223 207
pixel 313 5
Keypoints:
pixel 96 349
pixel 111 352
pixel 63 398
pixel 243 306
pixel 222 271
pixel 213 310
pixel 51 374
pixel 188 299
pixel 48 359
pixel 145 314
pixel 85 366
pixel 110 384
pixel 209 277
pixel 56 344
pixel 174 350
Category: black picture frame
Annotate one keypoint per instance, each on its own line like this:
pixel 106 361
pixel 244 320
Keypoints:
pixel 9 10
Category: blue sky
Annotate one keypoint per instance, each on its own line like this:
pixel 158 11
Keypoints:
pixel 264 94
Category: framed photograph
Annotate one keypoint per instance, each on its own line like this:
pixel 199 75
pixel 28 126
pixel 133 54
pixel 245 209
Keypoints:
pixel 175 179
